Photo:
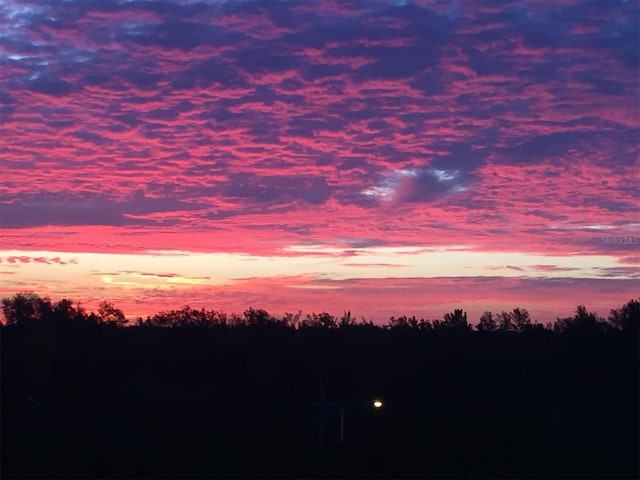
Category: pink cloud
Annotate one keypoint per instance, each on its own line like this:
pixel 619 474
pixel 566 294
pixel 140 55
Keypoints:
pixel 42 260
pixel 246 129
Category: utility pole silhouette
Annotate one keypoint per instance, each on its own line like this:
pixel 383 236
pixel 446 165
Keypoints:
pixel 323 416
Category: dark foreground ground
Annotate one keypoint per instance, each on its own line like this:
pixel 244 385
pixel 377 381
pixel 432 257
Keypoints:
pixel 146 402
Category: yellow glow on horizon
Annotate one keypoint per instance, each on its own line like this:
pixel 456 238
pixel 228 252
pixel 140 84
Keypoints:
pixel 93 272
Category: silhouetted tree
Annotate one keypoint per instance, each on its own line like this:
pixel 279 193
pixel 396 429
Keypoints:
pixel 583 321
pixel 25 308
pixel 518 320
pixel 626 318
pixel 505 322
pixel 562 324
pixel 425 325
pixel 487 323
pixel 366 324
pixel 108 314
pixel 521 319
pixel 236 320
pixel 65 311
pixel 346 320
pixel 402 322
pixel 320 320
pixel 291 320
pixel 409 323
pixel 258 317
pixel 455 321
pixel 186 317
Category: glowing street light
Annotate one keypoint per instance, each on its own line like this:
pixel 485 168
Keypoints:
pixel 376 403
pixel 323 405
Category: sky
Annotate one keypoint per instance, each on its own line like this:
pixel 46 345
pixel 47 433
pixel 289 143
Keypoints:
pixel 386 157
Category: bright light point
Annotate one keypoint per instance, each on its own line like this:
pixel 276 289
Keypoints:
pixel 377 404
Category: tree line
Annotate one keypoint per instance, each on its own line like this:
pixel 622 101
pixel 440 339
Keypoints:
pixel 197 393
pixel 30 309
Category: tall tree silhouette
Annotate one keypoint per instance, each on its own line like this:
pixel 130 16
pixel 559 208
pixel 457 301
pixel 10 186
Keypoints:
pixel 487 323
pixel 453 321
pixel 322 320
pixel 25 308
pixel 110 315
pixel 626 318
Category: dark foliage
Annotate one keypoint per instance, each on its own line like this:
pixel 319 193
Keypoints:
pixel 253 395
